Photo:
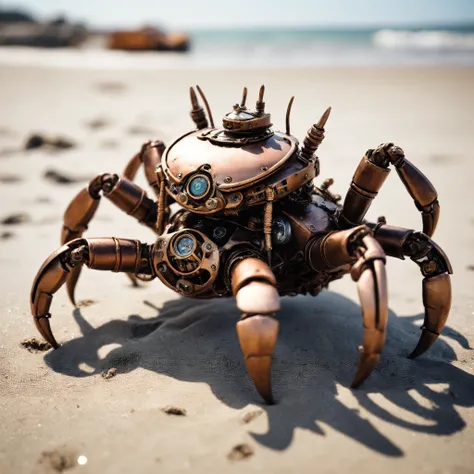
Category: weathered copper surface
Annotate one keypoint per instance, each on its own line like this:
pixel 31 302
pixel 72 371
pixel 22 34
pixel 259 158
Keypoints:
pixel 251 223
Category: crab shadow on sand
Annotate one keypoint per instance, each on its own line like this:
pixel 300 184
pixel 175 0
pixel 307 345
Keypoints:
pixel 195 341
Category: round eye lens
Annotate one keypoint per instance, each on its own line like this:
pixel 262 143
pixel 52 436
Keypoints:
pixel 184 246
pixel 198 186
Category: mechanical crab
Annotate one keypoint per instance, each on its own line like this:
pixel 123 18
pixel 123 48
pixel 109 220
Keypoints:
pixel 251 223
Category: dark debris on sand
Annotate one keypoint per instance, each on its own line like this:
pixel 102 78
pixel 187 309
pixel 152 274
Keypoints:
pixel 108 374
pixel 37 140
pixel 171 410
pixel 58 460
pixel 59 177
pixel 113 87
pixel 6 235
pixel 248 416
pixel 16 219
pixel 141 130
pixel 9 178
pixel 97 123
pixel 34 345
pixel 86 303
pixel 240 451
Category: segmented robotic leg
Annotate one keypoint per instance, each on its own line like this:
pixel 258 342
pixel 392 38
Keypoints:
pixel 434 266
pixel 126 195
pixel 369 177
pixel 358 248
pixel 117 255
pixel 150 156
pixel 253 285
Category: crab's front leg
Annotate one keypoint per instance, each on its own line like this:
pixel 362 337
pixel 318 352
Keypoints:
pixel 369 177
pixel 113 254
pixel 253 285
pixel 357 247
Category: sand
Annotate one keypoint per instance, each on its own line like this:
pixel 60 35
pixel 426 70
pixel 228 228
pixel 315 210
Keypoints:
pixel 175 355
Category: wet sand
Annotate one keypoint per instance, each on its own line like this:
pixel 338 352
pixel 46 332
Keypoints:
pixel 410 416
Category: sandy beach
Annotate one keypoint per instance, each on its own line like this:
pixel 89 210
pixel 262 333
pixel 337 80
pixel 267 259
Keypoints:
pixel 57 407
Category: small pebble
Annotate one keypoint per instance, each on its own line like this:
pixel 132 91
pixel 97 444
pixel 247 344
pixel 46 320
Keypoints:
pixel 15 219
pixel 171 410
pixel 86 303
pixel 59 177
pixel 240 451
pixel 251 415
pixel 9 178
pixel 37 140
pixel 6 235
pixel 97 124
pixel 108 374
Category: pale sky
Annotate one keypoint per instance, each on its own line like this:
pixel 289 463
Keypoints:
pixel 228 13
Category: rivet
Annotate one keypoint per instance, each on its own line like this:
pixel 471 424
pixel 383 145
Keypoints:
pixel 180 175
pixel 228 179
pixel 211 203
pixel 429 267
pixel 213 268
pixel 264 168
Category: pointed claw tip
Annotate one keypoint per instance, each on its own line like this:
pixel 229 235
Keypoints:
pixel 269 400
pixel 367 363
pixel 427 339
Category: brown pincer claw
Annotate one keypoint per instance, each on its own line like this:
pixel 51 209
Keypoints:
pixel 436 268
pixel 50 277
pixel 369 272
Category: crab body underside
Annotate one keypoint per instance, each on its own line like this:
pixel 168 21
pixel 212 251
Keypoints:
pixel 251 223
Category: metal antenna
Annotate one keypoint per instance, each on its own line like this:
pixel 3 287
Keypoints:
pixel 244 98
pixel 324 119
pixel 197 112
pixel 313 139
pixel 260 104
pixel 201 93
pixel 288 112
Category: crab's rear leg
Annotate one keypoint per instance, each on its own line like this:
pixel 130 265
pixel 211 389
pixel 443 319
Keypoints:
pixel 357 247
pixel 435 267
pixel 253 285
pixel 113 254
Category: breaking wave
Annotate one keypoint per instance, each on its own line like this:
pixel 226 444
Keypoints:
pixel 424 40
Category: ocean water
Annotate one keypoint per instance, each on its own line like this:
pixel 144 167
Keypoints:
pixel 250 48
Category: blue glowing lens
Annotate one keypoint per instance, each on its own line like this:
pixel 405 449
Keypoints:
pixel 184 246
pixel 198 186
